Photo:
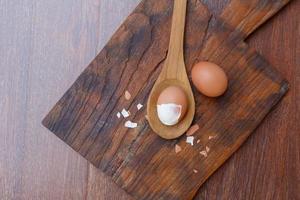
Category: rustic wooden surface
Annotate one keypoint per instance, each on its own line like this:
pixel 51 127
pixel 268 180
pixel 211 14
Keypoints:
pixel 139 161
pixel 39 39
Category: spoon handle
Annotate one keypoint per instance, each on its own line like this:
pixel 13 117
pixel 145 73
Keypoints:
pixel 177 31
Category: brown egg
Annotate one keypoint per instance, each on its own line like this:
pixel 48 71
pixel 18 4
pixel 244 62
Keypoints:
pixel 209 79
pixel 172 105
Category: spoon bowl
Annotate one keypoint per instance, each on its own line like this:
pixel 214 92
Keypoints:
pixel 170 132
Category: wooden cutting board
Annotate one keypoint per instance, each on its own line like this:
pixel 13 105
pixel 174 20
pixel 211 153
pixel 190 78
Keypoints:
pixel 139 161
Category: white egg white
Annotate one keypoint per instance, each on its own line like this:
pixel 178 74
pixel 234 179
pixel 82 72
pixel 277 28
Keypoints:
pixel 169 114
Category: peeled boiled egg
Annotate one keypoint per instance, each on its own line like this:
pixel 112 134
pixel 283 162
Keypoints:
pixel 209 79
pixel 172 105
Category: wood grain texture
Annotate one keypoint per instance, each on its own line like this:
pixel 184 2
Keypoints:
pixel 38 39
pixel 85 118
pixel 267 166
pixel 36 165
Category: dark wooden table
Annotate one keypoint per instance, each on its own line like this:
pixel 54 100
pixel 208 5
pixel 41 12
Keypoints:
pixel 44 45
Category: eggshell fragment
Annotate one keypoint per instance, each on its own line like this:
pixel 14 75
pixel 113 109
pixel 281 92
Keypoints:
pixel 127 95
pixel 130 124
pixel 207 149
pixel 125 113
pixel 192 130
pixel 177 148
pixel 190 140
pixel 211 137
pixel 139 106
pixel 204 153
pixel 210 79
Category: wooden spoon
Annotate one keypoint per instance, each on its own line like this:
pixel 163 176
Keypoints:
pixel 173 74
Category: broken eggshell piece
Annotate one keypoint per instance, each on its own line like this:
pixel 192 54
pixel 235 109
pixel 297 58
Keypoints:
pixel 130 124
